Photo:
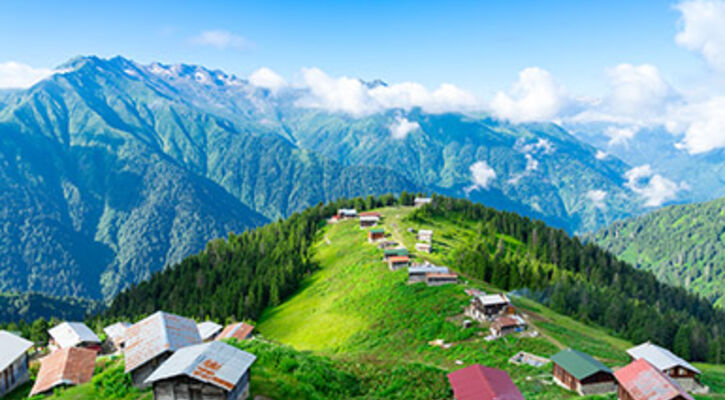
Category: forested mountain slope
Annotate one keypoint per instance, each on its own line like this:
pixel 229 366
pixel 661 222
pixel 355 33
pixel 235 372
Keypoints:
pixel 683 245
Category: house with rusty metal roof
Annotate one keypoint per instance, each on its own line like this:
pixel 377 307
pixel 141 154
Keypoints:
pixel 153 340
pixel 208 330
pixel 684 373
pixel 64 367
pixel 581 373
pixel 207 371
pixel 477 382
pixel 73 334
pixel 238 331
pixel 641 380
pixel 13 361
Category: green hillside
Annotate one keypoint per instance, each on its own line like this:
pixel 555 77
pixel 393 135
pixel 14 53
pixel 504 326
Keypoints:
pixel 682 245
pixel 356 330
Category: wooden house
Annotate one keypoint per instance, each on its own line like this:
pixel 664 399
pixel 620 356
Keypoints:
pixel 398 262
pixel 681 371
pixel 477 382
pixel 386 244
pixel 439 279
pixel 63 367
pixel 581 373
pixel 13 361
pixel 425 235
pixel 641 380
pixel 505 325
pixel 346 213
pixel 401 251
pixel 73 334
pixel 153 340
pixel 208 371
pixel 115 336
pixel 376 234
pixel 418 273
pixel 368 219
pixel 488 307
pixel 424 247
pixel 421 201
pixel 238 331
pixel 208 330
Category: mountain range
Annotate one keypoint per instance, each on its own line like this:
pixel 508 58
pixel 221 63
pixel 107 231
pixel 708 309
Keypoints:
pixel 111 170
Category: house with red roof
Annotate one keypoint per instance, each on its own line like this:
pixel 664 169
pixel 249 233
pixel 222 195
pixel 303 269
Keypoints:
pixel 641 380
pixel 238 331
pixel 68 366
pixel 477 382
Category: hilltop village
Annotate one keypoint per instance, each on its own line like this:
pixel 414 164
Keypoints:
pixel 174 357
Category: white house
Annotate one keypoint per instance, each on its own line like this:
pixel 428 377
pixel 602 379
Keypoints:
pixel 13 361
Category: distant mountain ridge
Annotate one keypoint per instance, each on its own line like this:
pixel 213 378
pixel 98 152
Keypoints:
pixel 682 245
pixel 110 169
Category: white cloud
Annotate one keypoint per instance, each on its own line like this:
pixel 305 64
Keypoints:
pixel 15 75
pixel 620 135
pixel 653 188
pixel 542 145
pixel 401 127
pixel 352 96
pixel 221 40
pixel 534 97
pixel 636 90
pixel 701 123
pixel 702 29
pixel 601 155
pixel 597 198
pixel 481 176
pixel 268 79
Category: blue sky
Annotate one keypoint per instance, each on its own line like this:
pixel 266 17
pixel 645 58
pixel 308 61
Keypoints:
pixel 479 46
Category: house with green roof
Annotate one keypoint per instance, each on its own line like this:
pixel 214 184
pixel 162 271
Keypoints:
pixel 581 373
pixel 395 253
pixel 376 234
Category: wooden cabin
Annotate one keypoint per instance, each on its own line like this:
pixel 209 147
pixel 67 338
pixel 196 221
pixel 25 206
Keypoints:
pixel 73 334
pixel 439 279
pixel 418 273
pixel 368 219
pixel 581 373
pixel 63 367
pixel 505 325
pixel 346 213
pixel 401 251
pixel 376 234
pixel 424 235
pixel 115 336
pixel 477 382
pixel 681 371
pixel 424 247
pixel 13 361
pixel 208 330
pixel 153 340
pixel 208 371
pixel 488 307
pixel 238 331
pixel 398 262
pixel 641 380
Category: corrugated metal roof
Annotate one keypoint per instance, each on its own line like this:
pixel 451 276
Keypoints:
pixel 11 348
pixel 643 381
pixel 477 382
pixel 116 331
pixel 208 329
pixel 157 334
pixel 504 322
pixel 579 365
pixel 215 363
pixel 370 214
pixel 428 269
pixel 425 232
pixel 377 230
pixel 396 259
pixel 239 331
pixel 659 357
pixel 396 252
pixel 70 334
pixel 69 366
pixel 493 299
